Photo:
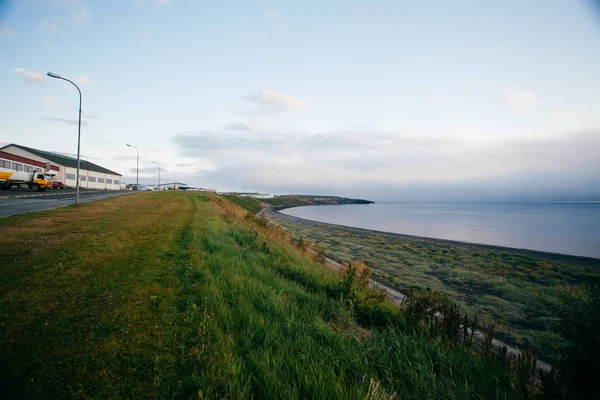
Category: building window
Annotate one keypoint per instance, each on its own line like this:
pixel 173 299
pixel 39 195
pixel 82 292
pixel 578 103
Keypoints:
pixel 109 181
pixel 4 164
pixel 28 168
pixel 82 177
pixel 116 181
pixel 91 179
pixel 100 180
pixel 70 176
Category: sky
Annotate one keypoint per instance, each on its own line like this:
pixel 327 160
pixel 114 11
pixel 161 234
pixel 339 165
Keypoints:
pixel 384 100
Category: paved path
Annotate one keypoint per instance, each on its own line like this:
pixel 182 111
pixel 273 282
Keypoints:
pixel 19 202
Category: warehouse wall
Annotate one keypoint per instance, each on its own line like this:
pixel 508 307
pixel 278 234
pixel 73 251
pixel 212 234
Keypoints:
pixel 92 179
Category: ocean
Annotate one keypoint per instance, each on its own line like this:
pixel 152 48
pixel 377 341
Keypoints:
pixel 567 228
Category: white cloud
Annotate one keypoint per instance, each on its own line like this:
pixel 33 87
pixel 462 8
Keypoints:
pixel 522 99
pixel 48 28
pixel 33 77
pixel 274 101
pixel 6 30
pixel 65 121
pixel 82 80
pixel 243 127
pixel 51 100
pixel 79 15
pixel 272 15
pixel 336 161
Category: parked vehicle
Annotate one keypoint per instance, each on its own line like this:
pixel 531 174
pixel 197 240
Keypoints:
pixel 57 185
pixel 33 180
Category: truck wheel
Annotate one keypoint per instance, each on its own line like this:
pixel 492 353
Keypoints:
pixel 35 187
pixel 5 186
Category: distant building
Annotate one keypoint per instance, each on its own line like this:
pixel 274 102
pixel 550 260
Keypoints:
pixel 257 195
pixel 245 194
pixel 64 168
pixel 170 186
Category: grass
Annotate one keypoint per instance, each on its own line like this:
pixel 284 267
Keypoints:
pixel 247 203
pixel 497 285
pixel 180 295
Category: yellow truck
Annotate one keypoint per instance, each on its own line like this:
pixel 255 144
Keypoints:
pixel 33 180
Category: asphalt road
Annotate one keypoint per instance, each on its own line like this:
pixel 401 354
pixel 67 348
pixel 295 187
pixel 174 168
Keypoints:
pixel 15 202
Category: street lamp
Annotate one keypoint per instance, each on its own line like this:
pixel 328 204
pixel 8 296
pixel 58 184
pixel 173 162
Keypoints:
pixel 158 167
pixel 137 168
pixel 51 75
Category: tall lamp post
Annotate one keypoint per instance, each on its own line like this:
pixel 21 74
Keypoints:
pixel 158 168
pixel 51 75
pixel 137 168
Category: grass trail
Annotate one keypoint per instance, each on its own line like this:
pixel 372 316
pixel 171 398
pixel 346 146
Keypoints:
pixel 177 295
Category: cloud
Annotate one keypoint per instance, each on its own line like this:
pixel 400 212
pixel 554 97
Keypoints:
pixel 147 171
pixel 124 157
pixel 80 17
pixel 33 77
pixel 6 30
pixel 51 100
pixel 82 80
pixel 521 99
pixel 66 121
pixel 272 15
pixel 347 162
pixel 47 28
pixel 243 126
pixel 78 14
pixel 274 101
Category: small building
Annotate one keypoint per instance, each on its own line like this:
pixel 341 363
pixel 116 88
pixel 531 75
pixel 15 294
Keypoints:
pixel 257 195
pixel 170 186
pixel 64 168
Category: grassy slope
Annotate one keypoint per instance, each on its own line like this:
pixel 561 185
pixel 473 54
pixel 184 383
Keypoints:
pixel 495 285
pixel 169 294
pixel 247 203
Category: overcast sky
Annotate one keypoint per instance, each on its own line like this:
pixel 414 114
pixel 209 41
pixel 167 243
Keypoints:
pixel 388 100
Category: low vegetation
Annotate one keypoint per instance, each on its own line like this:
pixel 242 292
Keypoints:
pixel 248 203
pixel 501 287
pixel 184 295
pixel 310 200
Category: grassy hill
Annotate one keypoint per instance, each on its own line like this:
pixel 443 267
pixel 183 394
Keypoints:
pixel 310 200
pixel 247 203
pixel 184 295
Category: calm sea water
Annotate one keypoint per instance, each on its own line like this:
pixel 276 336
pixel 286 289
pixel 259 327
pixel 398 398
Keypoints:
pixel 559 228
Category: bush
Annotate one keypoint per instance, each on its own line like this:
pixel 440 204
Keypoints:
pixel 433 313
pixel 579 324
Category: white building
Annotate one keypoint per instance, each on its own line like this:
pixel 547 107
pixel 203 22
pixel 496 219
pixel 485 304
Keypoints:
pixel 92 176
pixel 170 186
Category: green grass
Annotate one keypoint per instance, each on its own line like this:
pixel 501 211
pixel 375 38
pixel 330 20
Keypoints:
pixel 247 203
pixel 179 295
pixel 497 285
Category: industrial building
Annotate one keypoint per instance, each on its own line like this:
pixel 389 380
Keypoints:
pixel 92 176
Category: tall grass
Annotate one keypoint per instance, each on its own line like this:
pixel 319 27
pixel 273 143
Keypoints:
pixel 180 295
pixel 496 285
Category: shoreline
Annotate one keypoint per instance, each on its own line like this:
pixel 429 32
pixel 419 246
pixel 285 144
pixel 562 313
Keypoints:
pixel 396 295
pixel 583 260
